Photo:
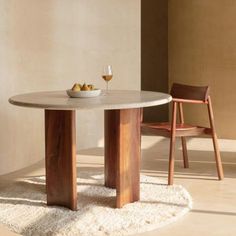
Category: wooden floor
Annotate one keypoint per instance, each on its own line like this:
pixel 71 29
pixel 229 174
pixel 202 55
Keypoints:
pixel 214 209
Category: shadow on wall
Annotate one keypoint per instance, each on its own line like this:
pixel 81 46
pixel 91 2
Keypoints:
pixel 154 54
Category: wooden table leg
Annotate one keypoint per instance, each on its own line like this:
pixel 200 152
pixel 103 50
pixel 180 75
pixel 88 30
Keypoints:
pixel 60 150
pixel 122 154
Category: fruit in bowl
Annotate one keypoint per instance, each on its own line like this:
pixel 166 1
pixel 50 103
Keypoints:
pixel 76 87
pixel 91 86
pixel 83 91
pixel 85 87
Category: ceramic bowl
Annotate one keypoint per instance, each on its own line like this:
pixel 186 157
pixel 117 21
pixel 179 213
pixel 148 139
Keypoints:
pixel 83 94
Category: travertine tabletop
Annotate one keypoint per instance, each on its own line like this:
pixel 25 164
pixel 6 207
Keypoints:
pixel 115 99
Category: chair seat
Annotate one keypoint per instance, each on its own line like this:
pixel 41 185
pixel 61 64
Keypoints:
pixel 164 129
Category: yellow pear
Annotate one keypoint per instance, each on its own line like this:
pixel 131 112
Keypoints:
pixel 91 86
pixel 76 88
pixel 85 87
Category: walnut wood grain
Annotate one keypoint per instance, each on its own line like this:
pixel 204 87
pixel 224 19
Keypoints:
pixel 183 139
pixel 172 145
pixel 182 130
pixel 122 154
pixel 215 141
pixel 111 140
pixel 182 91
pixel 60 150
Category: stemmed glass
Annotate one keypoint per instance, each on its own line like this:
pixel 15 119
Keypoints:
pixel 107 75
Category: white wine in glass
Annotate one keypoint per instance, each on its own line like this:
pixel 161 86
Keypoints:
pixel 107 75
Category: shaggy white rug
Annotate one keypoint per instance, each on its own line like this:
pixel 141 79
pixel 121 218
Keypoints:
pixel 23 208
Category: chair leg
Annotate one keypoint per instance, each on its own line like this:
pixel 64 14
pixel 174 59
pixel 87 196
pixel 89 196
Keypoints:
pixel 215 141
pixel 171 162
pixel 172 146
pixel 183 139
pixel 217 157
pixel 185 153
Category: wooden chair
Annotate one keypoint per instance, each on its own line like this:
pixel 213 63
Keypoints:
pixel 185 94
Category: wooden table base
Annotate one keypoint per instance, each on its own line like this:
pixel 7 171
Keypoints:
pixel 60 142
pixel 122 154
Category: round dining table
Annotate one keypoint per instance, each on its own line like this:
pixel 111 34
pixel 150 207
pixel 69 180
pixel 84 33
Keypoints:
pixel 122 140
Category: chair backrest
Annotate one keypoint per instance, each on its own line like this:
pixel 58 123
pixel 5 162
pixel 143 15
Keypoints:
pixel 191 93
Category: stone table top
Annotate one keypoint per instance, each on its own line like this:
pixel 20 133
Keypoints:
pixel 115 99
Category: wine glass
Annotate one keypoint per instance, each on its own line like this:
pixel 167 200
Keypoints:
pixel 107 75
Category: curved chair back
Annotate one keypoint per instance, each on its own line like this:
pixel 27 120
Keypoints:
pixel 191 93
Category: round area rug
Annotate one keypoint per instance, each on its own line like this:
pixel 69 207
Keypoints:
pixel 23 208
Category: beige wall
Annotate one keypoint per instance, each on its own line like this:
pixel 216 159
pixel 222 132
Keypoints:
pixel 202 51
pixel 46 45
pixel 154 54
